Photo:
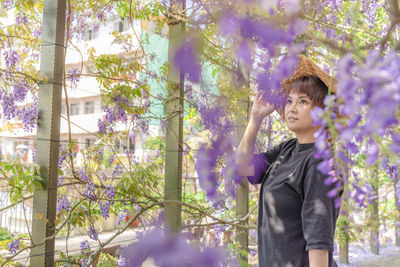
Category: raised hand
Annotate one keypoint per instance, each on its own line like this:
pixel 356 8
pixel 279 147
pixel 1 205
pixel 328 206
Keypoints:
pixel 261 108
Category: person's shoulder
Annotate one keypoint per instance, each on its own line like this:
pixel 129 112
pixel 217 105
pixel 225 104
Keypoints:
pixel 288 143
pixel 308 157
pixel 312 162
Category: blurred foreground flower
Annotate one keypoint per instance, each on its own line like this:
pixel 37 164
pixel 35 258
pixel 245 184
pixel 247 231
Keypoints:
pixel 170 252
pixel 186 60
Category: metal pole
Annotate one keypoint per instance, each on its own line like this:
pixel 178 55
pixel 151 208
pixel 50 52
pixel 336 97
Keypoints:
pixel 374 216
pixel 174 110
pixel 242 201
pixel 48 131
pixel 344 248
pixel 397 219
pixel 344 228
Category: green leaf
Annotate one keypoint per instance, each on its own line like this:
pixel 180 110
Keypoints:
pixel 37 185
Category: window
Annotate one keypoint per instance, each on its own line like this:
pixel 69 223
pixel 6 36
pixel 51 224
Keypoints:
pixel 89 107
pixel 92 33
pixel 74 109
pixel 18 117
pixel 102 105
pixel 63 109
pixel 89 35
pixel 89 69
pixel 131 146
pixel 123 146
pixel 121 25
pixel 89 142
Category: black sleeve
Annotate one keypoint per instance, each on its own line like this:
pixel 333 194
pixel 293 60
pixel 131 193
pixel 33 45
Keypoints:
pixel 262 161
pixel 318 212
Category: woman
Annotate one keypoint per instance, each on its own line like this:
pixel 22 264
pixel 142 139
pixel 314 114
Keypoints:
pixel 296 219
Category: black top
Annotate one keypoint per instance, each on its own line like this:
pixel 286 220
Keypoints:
pixel 295 214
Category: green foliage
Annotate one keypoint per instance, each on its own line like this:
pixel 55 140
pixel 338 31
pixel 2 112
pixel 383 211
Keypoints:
pixel 106 260
pixel 9 263
pixel 155 143
pixel 141 183
pixel 4 234
pixel 345 231
pixel 237 255
pixel 21 179
pixel 140 9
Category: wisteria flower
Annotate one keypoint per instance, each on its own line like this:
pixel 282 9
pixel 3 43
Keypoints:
pixel 186 61
pixel 13 246
pixel 11 58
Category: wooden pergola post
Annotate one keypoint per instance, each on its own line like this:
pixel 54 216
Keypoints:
pixel 397 219
pixel 242 193
pixel 173 107
pixel 374 216
pixel 48 132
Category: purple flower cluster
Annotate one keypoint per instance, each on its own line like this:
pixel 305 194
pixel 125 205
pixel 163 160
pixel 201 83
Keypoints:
pixel 105 205
pixel 393 172
pixel 85 247
pixel 74 78
pixel 370 7
pixel 360 193
pixel 8 4
pixel 90 187
pixel 102 125
pixel 90 191
pixel 215 120
pixel 60 180
pixel 371 87
pixel 111 160
pixel 85 251
pixel 11 58
pixel 117 171
pixel 63 155
pixel 7 102
pixel 374 87
pixel 36 34
pixel 264 35
pixel 34 155
pixel 205 164
pixel 92 233
pixel 13 246
pixel 186 61
pixel 326 150
pixel 114 114
pixel 230 174
pixel 121 217
pixel 121 262
pixel 84 262
pixel 170 251
pixel 110 193
pixel 63 203
pixel 263 32
pixel 21 18
pixel 269 80
pixel 20 89
pixel 29 116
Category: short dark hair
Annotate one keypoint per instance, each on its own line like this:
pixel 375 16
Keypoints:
pixel 312 86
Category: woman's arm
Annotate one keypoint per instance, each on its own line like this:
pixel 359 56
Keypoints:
pixel 318 258
pixel 245 150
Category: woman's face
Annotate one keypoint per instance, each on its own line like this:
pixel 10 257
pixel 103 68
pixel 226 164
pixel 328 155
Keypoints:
pixel 298 114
